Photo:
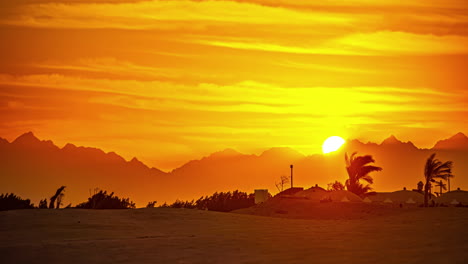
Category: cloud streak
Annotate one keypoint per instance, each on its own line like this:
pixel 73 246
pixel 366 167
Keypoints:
pixel 199 76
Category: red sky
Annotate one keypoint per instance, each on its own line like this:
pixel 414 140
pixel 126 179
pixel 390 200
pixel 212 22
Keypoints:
pixel 169 81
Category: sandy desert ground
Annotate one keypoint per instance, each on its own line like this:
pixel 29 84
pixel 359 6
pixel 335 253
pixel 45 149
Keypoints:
pixel 164 235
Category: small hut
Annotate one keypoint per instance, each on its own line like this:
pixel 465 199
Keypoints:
pixel 398 197
pixel 453 198
pixel 341 196
pixel 261 195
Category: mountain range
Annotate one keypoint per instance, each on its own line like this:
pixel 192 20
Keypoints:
pixel 34 168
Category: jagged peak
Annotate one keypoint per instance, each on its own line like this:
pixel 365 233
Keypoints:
pixel 229 152
pixel 391 140
pixel 457 141
pixel 3 141
pixel 282 151
pixel 69 146
pixel 357 142
pixel 135 160
pixel 27 137
pixel 459 135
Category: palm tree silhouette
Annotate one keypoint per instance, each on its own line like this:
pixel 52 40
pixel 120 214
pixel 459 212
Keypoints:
pixel 435 169
pixel 358 168
pixel 442 186
pixel 59 195
pixel 448 180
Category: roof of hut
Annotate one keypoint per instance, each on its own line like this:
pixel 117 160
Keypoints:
pixel 333 196
pixel 402 196
pixel 313 193
pixel 453 197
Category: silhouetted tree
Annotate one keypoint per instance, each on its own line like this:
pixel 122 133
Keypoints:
pixel 435 169
pixel 13 202
pixel 59 200
pixel 57 194
pixel 183 204
pixel 283 181
pixel 102 200
pixel 420 186
pixel 151 204
pixel 221 202
pixel 449 176
pixel 442 186
pixel 358 169
pixel 43 204
pixel 336 186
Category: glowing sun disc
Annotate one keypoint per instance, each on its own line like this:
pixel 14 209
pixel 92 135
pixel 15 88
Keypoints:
pixel 332 144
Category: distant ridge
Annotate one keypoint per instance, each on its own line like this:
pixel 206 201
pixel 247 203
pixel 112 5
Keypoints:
pixel 34 168
pixel 393 141
pixel 225 153
pixel 457 141
pixel 282 152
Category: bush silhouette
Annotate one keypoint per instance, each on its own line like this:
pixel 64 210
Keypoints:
pixel 181 204
pixel 12 202
pixel 336 186
pixel 102 200
pixel 221 202
pixel 151 204
pixel 43 204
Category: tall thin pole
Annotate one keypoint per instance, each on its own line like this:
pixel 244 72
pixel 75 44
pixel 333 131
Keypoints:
pixel 291 166
pixel 440 187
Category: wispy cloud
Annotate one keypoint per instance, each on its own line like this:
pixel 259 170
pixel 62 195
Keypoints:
pixel 245 74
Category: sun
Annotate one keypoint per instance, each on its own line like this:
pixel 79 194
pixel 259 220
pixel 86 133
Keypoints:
pixel 332 144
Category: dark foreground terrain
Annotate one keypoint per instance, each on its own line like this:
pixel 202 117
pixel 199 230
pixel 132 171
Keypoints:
pixel 164 235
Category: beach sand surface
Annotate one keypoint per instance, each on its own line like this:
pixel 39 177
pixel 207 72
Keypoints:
pixel 346 233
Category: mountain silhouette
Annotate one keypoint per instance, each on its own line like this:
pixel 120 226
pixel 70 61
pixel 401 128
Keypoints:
pixel 458 141
pixel 34 168
pixel 394 142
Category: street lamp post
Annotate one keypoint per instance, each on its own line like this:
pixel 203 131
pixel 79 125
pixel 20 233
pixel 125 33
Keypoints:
pixel 291 166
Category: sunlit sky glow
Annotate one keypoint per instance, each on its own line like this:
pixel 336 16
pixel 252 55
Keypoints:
pixel 170 81
pixel 332 144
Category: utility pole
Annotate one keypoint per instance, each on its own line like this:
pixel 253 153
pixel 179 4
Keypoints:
pixel 291 166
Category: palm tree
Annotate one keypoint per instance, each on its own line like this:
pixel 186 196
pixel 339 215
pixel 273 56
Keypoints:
pixel 448 180
pixel 58 194
pixel 358 168
pixel 442 186
pixel 435 169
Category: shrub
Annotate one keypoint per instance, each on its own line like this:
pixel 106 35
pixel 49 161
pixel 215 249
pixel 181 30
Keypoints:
pixel 182 204
pixel 43 204
pixel 221 202
pixel 336 186
pixel 12 202
pixel 102 200
pixel 151 204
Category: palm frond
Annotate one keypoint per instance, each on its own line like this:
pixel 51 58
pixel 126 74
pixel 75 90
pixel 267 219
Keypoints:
pixel 358 168
pixel 363 171
pixel 367 178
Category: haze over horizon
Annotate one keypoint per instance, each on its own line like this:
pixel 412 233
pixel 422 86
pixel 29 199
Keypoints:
pixel 392 139
pixel 33 167
pixel 170 81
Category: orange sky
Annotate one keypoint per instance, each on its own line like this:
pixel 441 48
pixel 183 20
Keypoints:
pixel 169 81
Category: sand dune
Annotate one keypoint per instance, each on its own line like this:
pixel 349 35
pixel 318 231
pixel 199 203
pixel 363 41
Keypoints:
pixel 163 235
